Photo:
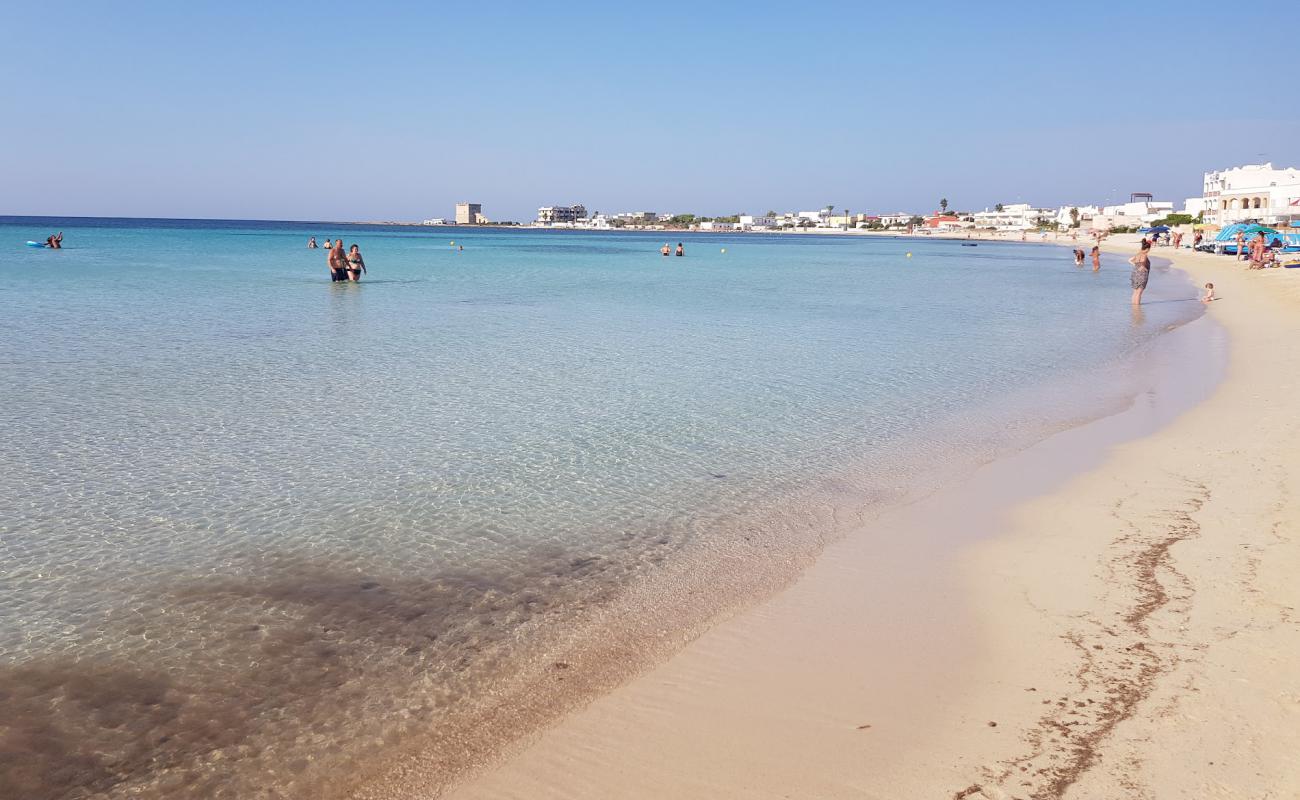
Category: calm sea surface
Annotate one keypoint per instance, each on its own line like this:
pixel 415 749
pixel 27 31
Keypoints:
pixel 250 518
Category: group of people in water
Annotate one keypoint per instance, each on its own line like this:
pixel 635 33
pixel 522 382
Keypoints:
pixel 1080 256
pixel 343 266
pixel 666 249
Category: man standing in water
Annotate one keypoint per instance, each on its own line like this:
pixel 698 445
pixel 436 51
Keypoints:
pixel 681 251
pixel 338 262
pixel 665 250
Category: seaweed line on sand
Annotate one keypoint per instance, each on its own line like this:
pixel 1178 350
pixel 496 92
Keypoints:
pixel 1118 666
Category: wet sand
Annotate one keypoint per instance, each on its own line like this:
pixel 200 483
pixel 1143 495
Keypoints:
pixel 1108 613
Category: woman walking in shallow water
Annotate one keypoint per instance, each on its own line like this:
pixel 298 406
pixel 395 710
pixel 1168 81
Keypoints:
pixel 1141 271
pixel 356 265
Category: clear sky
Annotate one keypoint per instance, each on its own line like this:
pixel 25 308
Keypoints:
pixel 358 110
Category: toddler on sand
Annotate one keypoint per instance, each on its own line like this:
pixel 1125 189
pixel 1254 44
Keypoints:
pixel 1209 293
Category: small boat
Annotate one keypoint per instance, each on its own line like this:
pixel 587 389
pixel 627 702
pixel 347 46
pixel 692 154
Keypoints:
pixel 36 244
pixel 969 244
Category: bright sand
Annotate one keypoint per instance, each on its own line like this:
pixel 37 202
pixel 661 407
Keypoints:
pixel 1117 620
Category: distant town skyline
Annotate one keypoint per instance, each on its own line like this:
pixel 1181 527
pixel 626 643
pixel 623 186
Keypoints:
pixel 298 111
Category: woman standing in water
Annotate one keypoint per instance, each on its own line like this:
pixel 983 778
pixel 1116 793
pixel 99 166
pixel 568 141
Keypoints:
pixel 1141 271
pixel 1096 258
pixel 356 265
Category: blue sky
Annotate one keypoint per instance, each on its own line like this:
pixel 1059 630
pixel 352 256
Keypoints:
pixel 396 111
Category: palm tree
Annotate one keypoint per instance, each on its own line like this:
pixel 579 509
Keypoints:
pixel 943 205
pixel 998 208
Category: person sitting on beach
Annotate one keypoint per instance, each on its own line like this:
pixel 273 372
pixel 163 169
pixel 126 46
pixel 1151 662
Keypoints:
pixel 1209 294
pixel 356 265
pixel 665 250
pixel 338 262
pixel 1096 259
pixel 311 243
pixel 681 251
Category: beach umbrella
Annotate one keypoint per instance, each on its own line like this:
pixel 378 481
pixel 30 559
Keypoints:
pixel 1251 230
pixel 1159 229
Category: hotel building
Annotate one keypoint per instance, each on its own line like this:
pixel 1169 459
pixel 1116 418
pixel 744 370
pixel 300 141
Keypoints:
pixel 561 215
pixel 1251 192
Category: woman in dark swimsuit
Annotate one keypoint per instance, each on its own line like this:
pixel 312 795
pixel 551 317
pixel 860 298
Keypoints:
pixel 1141 271
pixel 356 264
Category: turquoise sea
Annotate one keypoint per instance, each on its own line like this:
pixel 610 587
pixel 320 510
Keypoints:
pixel 257 528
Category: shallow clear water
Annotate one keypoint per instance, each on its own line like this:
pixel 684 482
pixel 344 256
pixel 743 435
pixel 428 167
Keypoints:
pixel 242 508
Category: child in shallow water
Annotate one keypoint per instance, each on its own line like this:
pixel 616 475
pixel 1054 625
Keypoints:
pixel 1209 293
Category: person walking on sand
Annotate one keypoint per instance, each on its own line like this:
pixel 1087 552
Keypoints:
pixel 355 263
pixel 1141 271
pixel 1096 259
pixel 665 250
pixel 1241 249
pixel 338 262
pixel 681 251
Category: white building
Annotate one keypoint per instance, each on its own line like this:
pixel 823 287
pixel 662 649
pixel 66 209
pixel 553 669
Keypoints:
pixel 1195 206
pixel 1014 217
pixel 1252 192
pixel 561 215
pixel 435 221
pixel 899 218
pixel 638 217
pixel 1067 215
pixel 751 222
pixel 816 217
pixel 1141 210
pixel 717 226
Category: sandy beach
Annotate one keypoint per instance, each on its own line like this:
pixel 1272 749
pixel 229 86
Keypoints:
pixel 1116 619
